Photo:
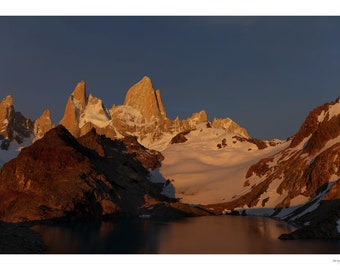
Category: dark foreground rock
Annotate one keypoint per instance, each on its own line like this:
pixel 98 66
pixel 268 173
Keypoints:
pixel 93 178
pixel 19 239
pixel 322 223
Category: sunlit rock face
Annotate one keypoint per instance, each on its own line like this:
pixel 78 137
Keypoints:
pixel 42 125
pixel 75 107
pixel 143 98
pixel 142 115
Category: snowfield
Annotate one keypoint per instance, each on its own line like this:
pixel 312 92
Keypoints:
pixel 202 173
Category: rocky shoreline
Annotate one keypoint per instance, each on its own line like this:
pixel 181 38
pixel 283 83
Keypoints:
pixel 20 239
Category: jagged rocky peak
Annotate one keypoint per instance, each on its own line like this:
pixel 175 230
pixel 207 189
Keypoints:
pixel 42 125
pixel 75 106
pixel 13 125
pixel 229 125
pixel 142 97
pixel 7 101
pixel 142 115
pixel 79 95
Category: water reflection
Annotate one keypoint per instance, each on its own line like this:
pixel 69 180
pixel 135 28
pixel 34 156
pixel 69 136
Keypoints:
pixel 202 235
pixel 123 237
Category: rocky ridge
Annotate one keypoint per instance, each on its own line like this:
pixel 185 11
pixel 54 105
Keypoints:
pixel 142 115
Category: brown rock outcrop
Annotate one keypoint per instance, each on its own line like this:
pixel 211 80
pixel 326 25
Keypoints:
pixel 311 124
pixel 57 177
pixel 180 137
pixel 151 159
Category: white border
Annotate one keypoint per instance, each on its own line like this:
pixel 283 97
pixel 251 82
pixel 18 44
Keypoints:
pixel 170 7
pixel 172 262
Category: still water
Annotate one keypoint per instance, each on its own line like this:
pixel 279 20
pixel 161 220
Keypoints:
pixel 199 235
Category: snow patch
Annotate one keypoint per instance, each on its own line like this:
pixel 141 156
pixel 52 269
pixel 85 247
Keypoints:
pixel 298 200
pixel 332 111
pixel 156 177
pixel 128 115
pixel 95 113
pixel 168 189
pixel 287 211
pixel 308 210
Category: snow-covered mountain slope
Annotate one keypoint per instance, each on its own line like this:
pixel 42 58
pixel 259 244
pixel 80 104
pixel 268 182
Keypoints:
pixel 301 182
pixel 211 165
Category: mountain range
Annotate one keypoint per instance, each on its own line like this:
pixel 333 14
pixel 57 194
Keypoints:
pixel 110 157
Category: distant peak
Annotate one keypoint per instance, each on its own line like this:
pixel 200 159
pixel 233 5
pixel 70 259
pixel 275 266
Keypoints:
pixel 199 117
pixel 8 101
pixel 145 84
pixel 75 106
pixel 229 125
pixel 142 97
pixel 146 79
pixel 79 91
pixel 46 113
pixel 91 98
pixel 42 125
